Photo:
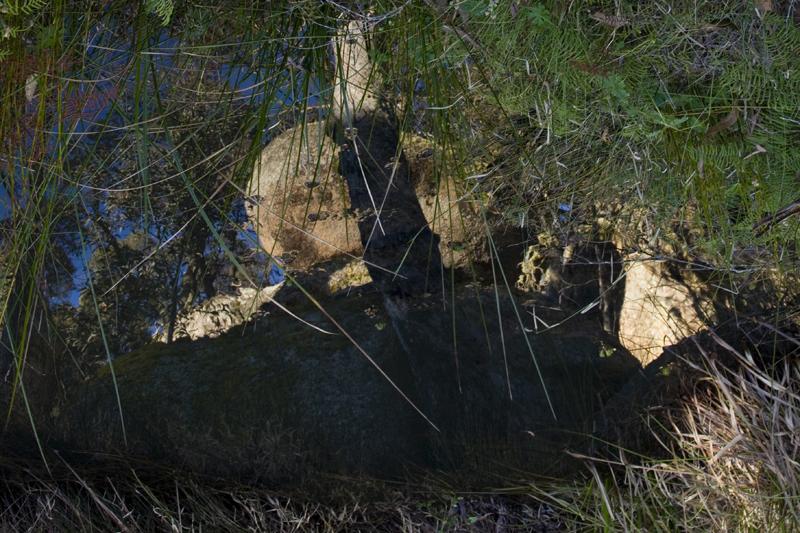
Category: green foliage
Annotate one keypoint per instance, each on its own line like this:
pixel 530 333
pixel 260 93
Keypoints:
pixel 49 36
pixel 614 86
pixel 17 8
pixel 538 16
pixel 161 8
pixel 16 18
pixel 638 98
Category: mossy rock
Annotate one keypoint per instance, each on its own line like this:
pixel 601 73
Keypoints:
pixel 280 400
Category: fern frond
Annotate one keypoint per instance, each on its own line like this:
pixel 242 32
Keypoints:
pixel 162 9
pixel 16 8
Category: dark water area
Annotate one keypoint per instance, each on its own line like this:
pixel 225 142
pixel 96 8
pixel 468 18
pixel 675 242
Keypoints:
pixel 111 93
pixel 5 203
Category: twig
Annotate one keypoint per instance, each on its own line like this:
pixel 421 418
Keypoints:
pixel 768 221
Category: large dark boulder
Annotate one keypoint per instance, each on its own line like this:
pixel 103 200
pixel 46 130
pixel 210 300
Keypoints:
pixel 277 399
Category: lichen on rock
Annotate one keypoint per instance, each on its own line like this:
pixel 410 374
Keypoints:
pixel 220 313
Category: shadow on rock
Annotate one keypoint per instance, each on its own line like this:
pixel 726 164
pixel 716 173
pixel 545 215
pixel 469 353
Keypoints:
pixel 279 400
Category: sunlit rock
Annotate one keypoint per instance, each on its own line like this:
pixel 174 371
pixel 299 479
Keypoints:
pixel 219 314
pixel 299 203
pixel 657 309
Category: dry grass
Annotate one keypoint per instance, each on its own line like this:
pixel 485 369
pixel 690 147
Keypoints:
pixel 731 460
pixel 135 501
pixel 728 462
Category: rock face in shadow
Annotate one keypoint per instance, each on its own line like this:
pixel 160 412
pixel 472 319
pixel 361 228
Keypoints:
pixel 282 400
pixel 400 248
